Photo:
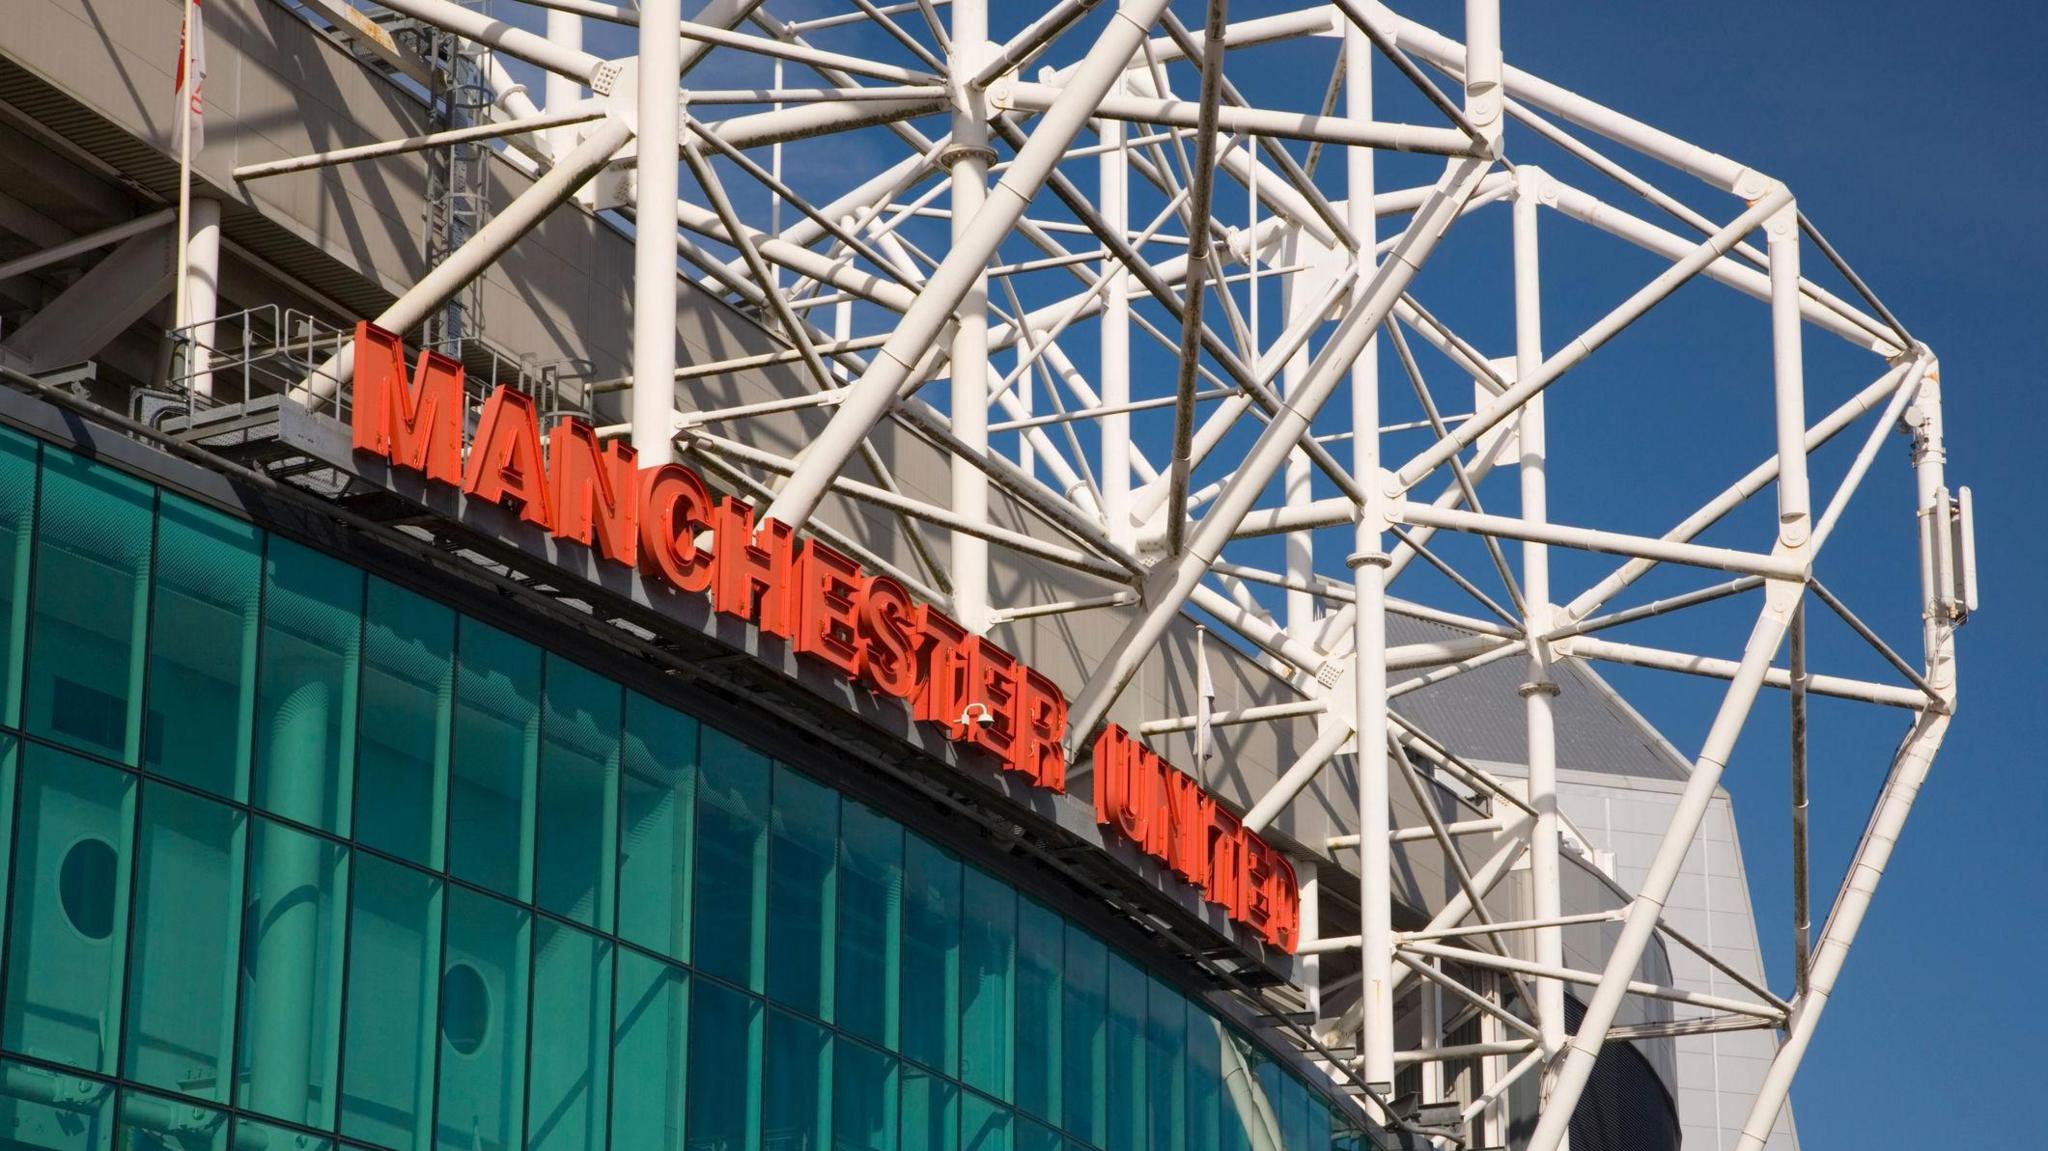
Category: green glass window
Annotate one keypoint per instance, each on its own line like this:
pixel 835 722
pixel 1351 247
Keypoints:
pixel 988 958
pixel 570 1077
pixel 1319 1133
pixel 10 754
pixel 658 800
pixel 483 1024
pixel 68 932
pixel 17 542
pixel 931 956
pixel 292 941
pixel 1041 940
pixel 579 793
pixel 1029 1136
pixel 1129 1116
pixel 306 688
pixel 1292 1103
pixel 497 759
pixel 202 648
pixel 931 1112
pixel 188 919
pixel 394 984
pixel 1270 1080
pixel 650 1030
pixel 403 732
pixel 868 948
pixel 725 1068
pixel 731 928
pixel 803 857
pixel 1206 1091
pixel 1166 1036
pixel 154 1123
pixel 984 1124
pixel 863 1098
pixel 251 1135
pixel 1084 1038
pixel 90 608
pixel 33 1123
pixel 796 1106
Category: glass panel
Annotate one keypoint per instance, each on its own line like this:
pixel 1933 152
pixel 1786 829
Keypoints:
pixel 84 1121
pixel 306 691
pixel 572 1019
pixel 10 753
pixel 1269 1076
pixel 984 1124
pixel 803 861
pixel 402 734
pixel 1030 1136
pixel 1129 989
pixel 931 955
pixel 89 618
pixel 870 923
pixel 651 1022
pixel 1166 1035
pixel 731 931
pixel 253 1136
pixel 1084 1038
pixel 1318 1125
pixel 153 1123
pixel 202 648
pixel 579 793
pixel 725 1069
pixel 17 539
pixel 188 919
pixel 394 982
pixel 1292 1104
pixel 291 975
pixel 1206 1092
pixel 931 1112
pixel 796 1110
pixel 659 802
pixel 497 744
pixel 1035 1137
pixel 863 1098
pixel 483 1024
pixel 988 957
pixel 69 926
pixel 1041 939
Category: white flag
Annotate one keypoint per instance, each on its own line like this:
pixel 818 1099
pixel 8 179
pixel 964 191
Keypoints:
pixel 190 98
pixel 1205 701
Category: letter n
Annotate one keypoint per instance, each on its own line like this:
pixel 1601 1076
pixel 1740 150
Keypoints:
pixel 596 491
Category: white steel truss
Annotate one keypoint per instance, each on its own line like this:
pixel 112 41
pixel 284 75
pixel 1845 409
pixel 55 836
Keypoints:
pixel 1093 179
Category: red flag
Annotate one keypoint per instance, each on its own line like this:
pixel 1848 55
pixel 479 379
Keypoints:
pixel 192 97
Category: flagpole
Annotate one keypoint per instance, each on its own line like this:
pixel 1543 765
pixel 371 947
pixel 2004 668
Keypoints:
pixel 186 92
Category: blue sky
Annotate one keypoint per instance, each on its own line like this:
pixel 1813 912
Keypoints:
pixel 1895 124
pixel 1909 133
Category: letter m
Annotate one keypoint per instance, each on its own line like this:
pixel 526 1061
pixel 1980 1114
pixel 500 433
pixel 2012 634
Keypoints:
pixel 416 426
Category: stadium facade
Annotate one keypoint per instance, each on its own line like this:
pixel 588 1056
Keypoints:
pixel 390 760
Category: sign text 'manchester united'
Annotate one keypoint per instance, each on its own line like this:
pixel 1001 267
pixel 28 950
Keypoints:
pixel 869 628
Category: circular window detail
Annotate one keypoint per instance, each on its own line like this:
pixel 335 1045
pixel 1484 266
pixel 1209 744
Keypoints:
pixel 465 1008
pixel 85 887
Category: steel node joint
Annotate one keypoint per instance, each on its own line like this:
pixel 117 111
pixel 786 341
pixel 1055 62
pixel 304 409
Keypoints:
pixel 955 152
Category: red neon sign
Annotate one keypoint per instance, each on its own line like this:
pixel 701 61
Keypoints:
pixel 868 628
pixel 1167 815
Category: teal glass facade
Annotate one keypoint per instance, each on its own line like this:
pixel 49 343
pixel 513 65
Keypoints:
pixel 296 858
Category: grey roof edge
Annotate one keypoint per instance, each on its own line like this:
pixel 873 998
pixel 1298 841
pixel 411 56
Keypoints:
pixel 1656 738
